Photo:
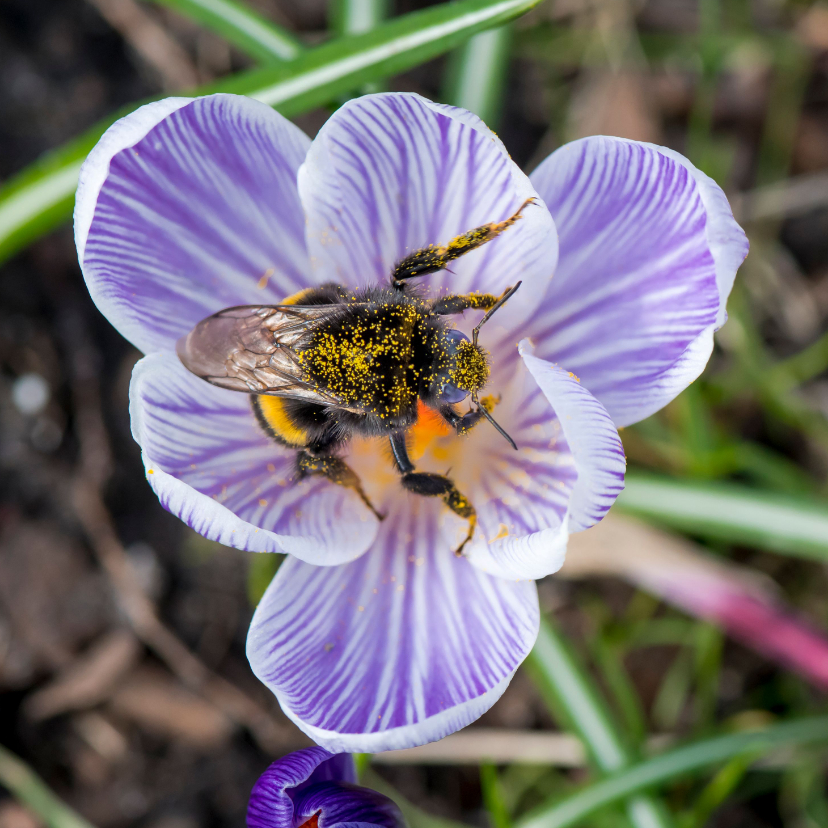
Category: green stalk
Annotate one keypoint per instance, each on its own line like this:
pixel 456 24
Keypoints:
pixel 477 72
pixel 573 697
pixel 26 786
pixel 673 765
pixel 257 37
pixel 807 364
pixel 41 196
pixel 731 513
pixel 353 17
pixel 350 17
pixel 493 796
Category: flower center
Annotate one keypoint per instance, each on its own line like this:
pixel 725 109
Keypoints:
pixel 311 822
pixel 428 427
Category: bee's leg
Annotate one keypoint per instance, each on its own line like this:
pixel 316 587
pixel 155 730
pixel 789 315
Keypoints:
pixel 435 257
pixel 458 302
pixel 433 485
pixel 463 423
pixel 309 462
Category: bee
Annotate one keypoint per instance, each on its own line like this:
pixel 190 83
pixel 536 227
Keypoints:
pixel 332 362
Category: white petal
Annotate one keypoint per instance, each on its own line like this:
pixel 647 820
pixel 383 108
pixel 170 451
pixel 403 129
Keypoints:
pixel 210 464
pixel 401 647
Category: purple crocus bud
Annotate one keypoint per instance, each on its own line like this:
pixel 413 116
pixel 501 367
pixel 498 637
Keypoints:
pixel 374 635
pixel 312 788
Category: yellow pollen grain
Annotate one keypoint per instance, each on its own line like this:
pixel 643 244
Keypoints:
pixel 262 502
pixel 262 283
pixel 503 532
pixel 470 370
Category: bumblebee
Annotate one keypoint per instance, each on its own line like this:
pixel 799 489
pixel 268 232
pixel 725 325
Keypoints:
pixel 332 362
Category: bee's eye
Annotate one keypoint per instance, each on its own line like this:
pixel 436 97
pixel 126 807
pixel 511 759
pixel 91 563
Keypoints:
pixel 453 340
pixel 451 394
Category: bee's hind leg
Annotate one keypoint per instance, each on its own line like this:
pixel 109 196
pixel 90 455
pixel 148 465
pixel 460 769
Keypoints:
pixel 436 257
pixel 433 485
pixel 334 469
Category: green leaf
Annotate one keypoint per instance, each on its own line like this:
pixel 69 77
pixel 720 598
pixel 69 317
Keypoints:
pixel 732 513
pixel 40 197
pixel 252 34
pixel 261 570
pixel 26 786
pixel 672 765
pixel 477 72
pixel 573 697
pixel 350 17
pixel 493 796
pixel 353 17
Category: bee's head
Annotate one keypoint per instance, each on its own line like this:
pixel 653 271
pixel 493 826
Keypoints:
pixel 466 370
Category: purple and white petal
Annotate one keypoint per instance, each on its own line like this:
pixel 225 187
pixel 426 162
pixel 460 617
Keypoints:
pixel 398 648
pixel 567 472
pixel 591 436
pixel 518 495
pixel 648 253
pixel 271 802
pixel 186 207
pixel 211 464
pixel 388 174
pixel 346 805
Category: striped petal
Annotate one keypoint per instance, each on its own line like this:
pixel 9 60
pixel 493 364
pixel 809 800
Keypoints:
pixel 210 464
pixel 591 436
pixel 392 173
pixel 313 782
pixel 649 252
pixel 398 648
pixel 521 497
pixel 271 800
pixel 347 805
pixel 564 478
pixel 186 207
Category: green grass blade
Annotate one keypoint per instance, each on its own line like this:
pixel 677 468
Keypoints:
pixel 672 765
pixel 252 34
pixel 353 17
pixel 342 65
pixel 350 17
pixel 40 197
pixel 477 73
pixel 26 786
pixel 493 797
pixel 573 696
pixel 732 513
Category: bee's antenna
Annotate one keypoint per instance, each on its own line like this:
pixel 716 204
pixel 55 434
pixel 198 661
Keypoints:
pixel 499 304
pixel 492 420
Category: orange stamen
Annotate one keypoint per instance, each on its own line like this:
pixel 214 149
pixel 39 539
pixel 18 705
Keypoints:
pixel 312 822
pixel 429 426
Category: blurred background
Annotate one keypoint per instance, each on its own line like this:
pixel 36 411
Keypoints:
pixel 698 609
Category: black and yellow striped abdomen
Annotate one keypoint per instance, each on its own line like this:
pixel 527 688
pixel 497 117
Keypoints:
pixel 275 418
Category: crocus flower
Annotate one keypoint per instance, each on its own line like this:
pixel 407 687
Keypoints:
pixel 373 635
pixel 312 788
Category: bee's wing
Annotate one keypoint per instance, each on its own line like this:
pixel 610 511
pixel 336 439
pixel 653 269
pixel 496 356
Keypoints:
pixel 252 348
